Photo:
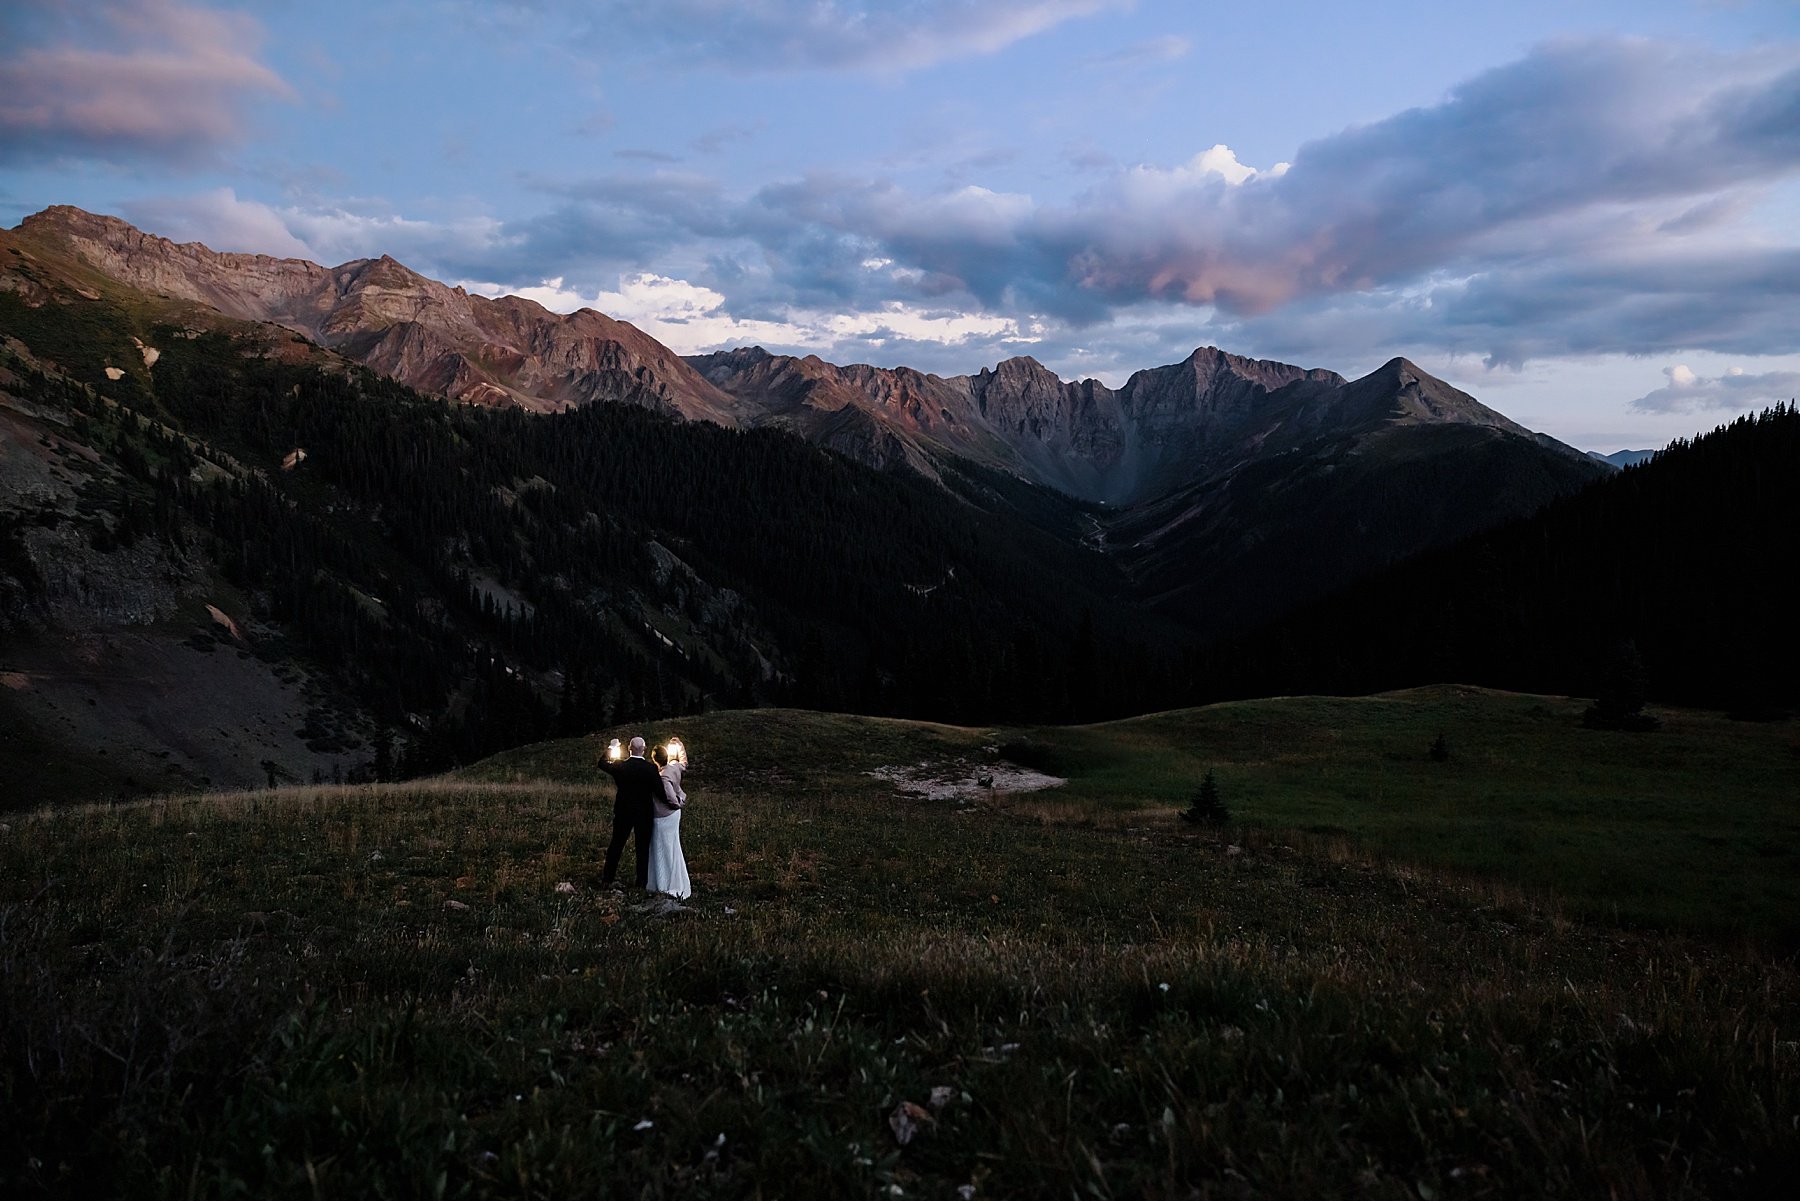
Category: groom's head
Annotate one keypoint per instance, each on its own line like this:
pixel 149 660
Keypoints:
pixel 637 746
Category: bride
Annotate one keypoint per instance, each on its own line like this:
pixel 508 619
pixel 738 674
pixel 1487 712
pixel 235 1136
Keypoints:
pixel 668 866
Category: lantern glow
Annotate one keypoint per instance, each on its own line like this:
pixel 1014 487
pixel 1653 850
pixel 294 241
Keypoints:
pixel 614 752
pixel 677 752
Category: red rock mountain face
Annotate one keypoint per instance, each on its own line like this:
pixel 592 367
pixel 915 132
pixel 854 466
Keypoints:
pixel 1084 438
pixel 1166 428
pixel 430 336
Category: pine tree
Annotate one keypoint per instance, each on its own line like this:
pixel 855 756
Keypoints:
pixel 1624 687
pixel 1205 807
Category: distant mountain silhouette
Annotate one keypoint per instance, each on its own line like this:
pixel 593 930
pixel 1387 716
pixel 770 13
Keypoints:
pixel 1623 458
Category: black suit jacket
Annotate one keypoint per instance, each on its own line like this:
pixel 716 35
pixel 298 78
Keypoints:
pixel 639 786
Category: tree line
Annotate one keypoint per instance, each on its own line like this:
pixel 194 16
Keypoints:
pixel 1682 561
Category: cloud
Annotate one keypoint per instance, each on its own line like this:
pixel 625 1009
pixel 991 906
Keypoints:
pixel 438 248
pixel 1736 389
pixel 1165 49
pixel 1619 164
pixel 130 79
pixel 596 124
pixel 692 319
pixel 226 222
pixel 1569 129
pixel 638 154
pixel 1627 300
pixel 719 137
pixel 221 221
pixel 1592 197
pixel 844 35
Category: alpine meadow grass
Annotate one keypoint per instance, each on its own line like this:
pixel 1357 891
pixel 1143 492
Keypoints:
pixel 383 991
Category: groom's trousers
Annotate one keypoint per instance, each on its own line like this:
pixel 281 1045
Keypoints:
pixel 627 826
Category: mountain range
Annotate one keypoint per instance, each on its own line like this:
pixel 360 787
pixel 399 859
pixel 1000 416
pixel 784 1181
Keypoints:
pixel 1166 427
pixel 1196 501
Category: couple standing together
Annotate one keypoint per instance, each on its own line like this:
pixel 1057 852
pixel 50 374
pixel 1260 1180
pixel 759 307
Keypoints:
pixel 648 811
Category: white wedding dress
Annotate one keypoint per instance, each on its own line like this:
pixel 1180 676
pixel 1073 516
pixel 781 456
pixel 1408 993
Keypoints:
pixel 668 866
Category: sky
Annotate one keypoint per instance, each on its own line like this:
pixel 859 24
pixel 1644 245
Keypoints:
pixel 1586 213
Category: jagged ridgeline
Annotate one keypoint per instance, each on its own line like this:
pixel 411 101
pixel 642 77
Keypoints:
pixel 478 577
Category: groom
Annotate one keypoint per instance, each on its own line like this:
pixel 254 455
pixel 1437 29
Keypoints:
pixel 639 785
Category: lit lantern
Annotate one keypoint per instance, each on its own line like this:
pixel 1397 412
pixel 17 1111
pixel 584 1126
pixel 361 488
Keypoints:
pixel 614 752
pixel 677 752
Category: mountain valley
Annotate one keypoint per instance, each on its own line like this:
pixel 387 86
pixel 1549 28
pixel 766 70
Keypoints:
pixel 424 525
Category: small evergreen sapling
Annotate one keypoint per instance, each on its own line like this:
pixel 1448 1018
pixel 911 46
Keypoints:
pixel 1440 749
pixel 1205 808
pixel 1624 687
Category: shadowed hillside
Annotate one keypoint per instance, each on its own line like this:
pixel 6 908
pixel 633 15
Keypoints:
pixel 1686 557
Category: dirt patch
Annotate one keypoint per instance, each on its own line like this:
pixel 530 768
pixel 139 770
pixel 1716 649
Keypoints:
pixel 962 780
pixel 117 712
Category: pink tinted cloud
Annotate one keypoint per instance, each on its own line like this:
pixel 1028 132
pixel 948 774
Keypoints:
pixel 134 78
pixel 1736 389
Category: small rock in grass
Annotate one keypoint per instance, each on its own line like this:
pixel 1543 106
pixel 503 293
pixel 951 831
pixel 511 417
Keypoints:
pixel 940 1096
pixel 565 887
pixel 456 906
pixel 906 1121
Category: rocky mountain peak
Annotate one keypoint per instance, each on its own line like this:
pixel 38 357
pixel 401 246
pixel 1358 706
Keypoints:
pixel 1021 365
pixel 66 218
pixel 1399 390
pixel 384 314
pixel 1400 372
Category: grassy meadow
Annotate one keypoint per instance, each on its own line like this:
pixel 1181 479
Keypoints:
pixel 1557 964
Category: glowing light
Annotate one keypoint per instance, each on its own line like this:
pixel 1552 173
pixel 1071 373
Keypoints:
pixel 614 752
pixel 677 753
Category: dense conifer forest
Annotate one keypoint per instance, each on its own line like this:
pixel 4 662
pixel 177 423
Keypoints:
pixel 1681 564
